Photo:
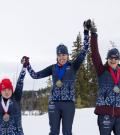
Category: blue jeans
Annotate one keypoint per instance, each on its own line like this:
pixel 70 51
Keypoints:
pixel 107 124
pixel 61 110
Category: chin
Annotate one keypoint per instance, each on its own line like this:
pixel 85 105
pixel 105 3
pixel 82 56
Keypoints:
pixel 113 66
pixel 62 63
pixel 7 97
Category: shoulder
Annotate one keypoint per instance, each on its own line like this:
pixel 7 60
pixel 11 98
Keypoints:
pixel 52 66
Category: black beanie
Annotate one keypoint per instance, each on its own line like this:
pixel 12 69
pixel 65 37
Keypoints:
pixel 113 53
pixel 61 49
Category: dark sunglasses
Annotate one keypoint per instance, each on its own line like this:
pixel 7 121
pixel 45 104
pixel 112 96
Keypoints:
pixel 116 58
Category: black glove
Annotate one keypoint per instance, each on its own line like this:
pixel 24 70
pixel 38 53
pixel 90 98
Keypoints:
pixel 90 26
pixel 25 61
pixel 87 24
pixel 93 28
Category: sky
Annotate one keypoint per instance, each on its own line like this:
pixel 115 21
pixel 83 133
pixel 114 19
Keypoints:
pixel 36 27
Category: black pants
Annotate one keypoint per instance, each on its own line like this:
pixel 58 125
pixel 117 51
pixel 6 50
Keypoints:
pixel 61 111
pixel 107 124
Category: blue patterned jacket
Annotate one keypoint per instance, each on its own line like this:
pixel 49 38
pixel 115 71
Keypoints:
pixel 108 102
pixel 67 91
pixel 14 125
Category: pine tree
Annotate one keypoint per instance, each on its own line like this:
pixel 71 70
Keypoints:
pixel 77 46
pixel 86 82
pixel 49 82
pixel 89 92
pixel 92 80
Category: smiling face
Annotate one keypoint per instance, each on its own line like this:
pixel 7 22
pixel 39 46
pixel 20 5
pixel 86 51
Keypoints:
pixel 113 62
pixel 6 93
pixel 62 58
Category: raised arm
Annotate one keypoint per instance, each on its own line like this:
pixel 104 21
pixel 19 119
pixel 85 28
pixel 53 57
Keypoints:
pixel 19 85
pixel 90 26
pixel 96 58
pixel 95 54
pixel 81 56
pixel 36 75
pixel 40 74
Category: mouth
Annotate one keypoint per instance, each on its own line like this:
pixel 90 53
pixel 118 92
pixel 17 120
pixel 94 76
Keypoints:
pixel 113 63
pixel 7 95
pixel 62 60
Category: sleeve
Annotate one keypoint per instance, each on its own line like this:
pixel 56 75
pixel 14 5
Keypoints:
pixel 19 85
pixel 40 74
pixel 81 56
pixel 96 55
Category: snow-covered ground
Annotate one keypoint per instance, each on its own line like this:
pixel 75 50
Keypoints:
pixel 85 123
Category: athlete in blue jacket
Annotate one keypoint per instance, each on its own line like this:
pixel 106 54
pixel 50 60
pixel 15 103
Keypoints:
pixel 62 95
pixel 108 100
pixel 10 108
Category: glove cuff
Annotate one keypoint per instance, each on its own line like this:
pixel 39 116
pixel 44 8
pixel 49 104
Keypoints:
pixel 26 64
pixel 86 32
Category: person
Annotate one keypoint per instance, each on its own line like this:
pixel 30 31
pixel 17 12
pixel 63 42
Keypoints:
pixel 108 100
pixel 62 96
pixel 10 109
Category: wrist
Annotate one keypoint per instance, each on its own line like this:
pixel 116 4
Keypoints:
pixel 25 65
pixel 94 34
pixel 86 32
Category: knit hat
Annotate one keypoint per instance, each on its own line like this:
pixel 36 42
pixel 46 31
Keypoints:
pixel 6 84
pixel 113 53
pixel 61 49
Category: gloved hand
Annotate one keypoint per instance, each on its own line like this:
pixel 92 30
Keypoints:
pixel 25 61
pixel 93 28
pixel 87 24
pixel 90 26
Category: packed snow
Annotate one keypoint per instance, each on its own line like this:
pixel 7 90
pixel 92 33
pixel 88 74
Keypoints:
pixel 85 123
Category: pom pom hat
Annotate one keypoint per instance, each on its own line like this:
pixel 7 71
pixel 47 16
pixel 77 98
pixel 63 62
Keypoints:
pixel 6 84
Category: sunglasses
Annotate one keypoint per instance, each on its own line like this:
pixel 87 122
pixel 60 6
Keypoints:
pixel 116 58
